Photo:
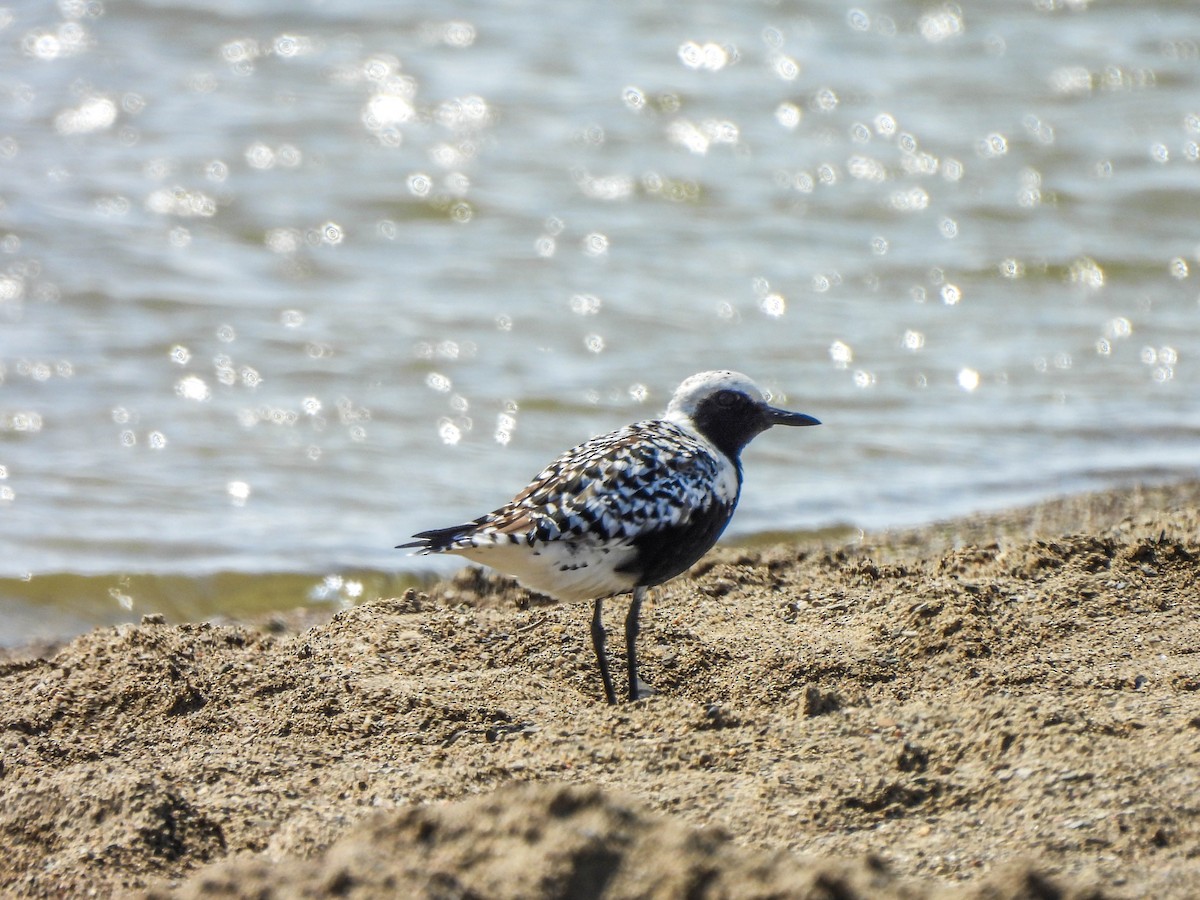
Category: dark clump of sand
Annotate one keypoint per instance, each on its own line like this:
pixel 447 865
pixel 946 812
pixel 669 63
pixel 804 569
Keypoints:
pixel 1006 707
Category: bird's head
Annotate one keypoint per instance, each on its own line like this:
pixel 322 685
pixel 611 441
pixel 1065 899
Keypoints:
pixel 728 409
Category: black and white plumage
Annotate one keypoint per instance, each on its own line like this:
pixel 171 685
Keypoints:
pixel 628 510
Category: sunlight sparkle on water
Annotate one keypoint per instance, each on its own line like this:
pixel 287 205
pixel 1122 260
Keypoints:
pixel 995 144
pixel 938 25
pixel 287 46
pixel 384 112
pixel 841 354
pixel 912 199
pixel 179 201
pixel 788 115
pixel 123 600
pixel 471 111
pixel 1086 271
pixel 699 137
pixel 1038 130
pixel 595 244
pixel 259 156
pixel 11 289
pixel 826 99
pixel 240 54
pixel 710 56
pixel 1162 361
pixel 457 33
pixel 634 97
pixel 866 168
pixel 786 68
pixel 94 114
pixel 452 349
pixel 21 420
pixel 506 424
pixel 605 187
pixel 419 184
pixel 438 382
pixel 1118 328
pixel 68 39
pixel 1012 268
pixel 224 370
pixel 585 304
pixel 283 241
pixel 774 305
pixel 192 387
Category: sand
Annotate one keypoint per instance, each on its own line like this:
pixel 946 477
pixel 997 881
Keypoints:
pixel 1002 707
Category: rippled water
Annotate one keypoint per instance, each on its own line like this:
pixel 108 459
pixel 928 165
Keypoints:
pixel 280 285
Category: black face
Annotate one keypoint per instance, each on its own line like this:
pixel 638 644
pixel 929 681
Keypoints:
pixel 731 420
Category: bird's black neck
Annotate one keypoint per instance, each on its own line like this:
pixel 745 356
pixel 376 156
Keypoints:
pixel 729 421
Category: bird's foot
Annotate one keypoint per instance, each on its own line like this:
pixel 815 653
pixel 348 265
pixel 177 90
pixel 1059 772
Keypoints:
pixel 641 691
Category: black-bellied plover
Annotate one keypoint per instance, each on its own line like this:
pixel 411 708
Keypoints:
pixel 628 510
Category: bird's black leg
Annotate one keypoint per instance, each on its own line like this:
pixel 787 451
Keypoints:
pixel 637 688
pixel 601 656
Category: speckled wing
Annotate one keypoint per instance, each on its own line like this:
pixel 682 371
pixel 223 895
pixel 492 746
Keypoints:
pixel 611 490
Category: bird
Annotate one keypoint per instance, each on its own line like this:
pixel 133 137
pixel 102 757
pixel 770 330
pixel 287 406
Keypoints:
pixel 625 511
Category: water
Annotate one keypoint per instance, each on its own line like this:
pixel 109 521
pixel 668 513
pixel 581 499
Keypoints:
pixel 281 284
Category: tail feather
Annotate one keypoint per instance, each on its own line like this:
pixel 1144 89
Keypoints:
pixel 437 539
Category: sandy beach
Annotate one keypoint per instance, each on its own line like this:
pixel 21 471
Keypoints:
pixel 1005 706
